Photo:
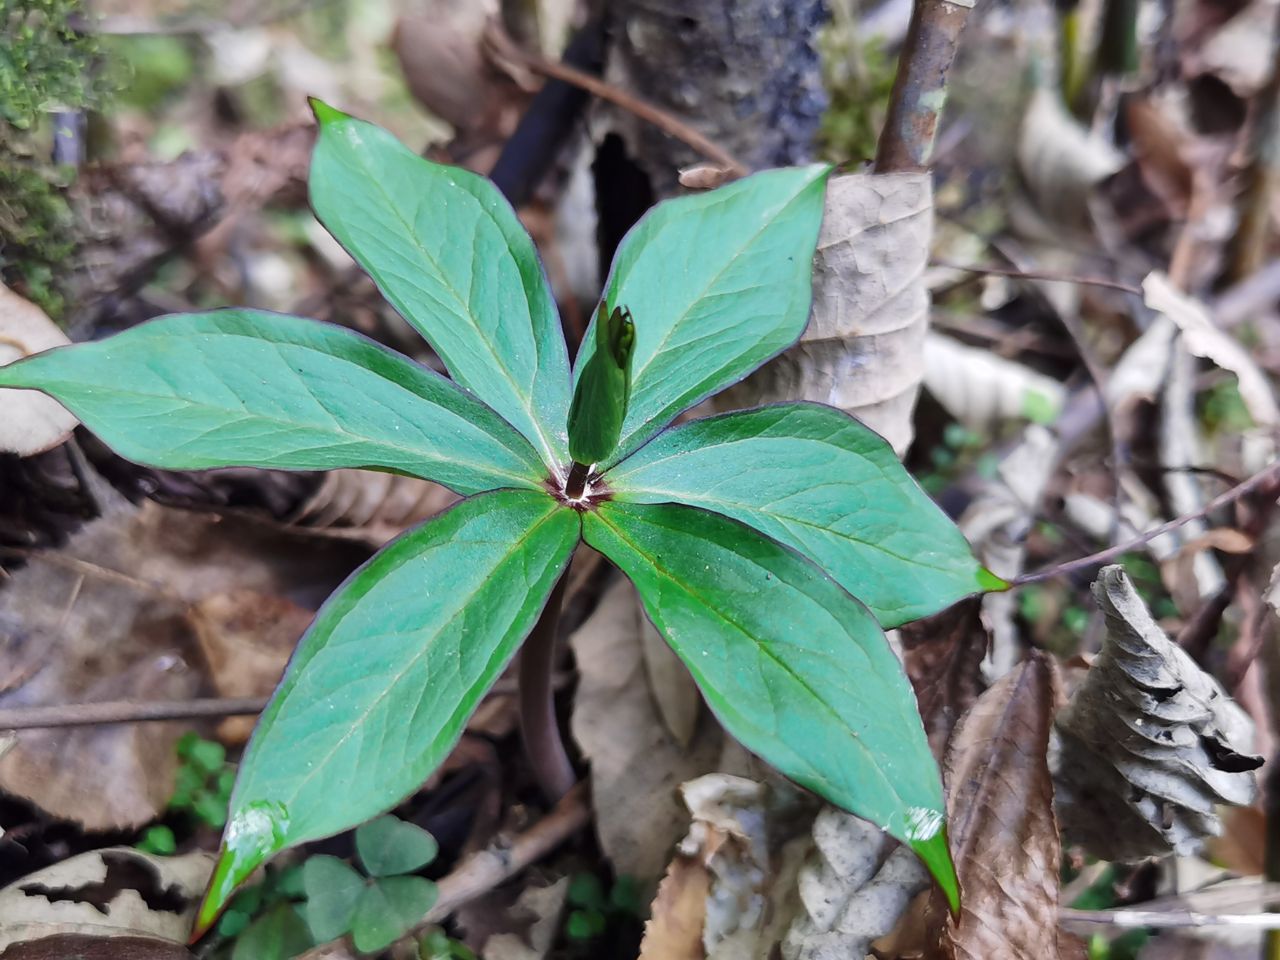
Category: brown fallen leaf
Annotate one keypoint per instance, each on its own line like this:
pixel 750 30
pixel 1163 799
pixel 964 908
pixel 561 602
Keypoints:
pixel 678 912
pixel 76 947
pixel 1003 835
pixel 861 350
pixel 247 638
pixel 105 618
pixel 118 891
pixel 370 506
pixel 32 422
pixel 636 762
pixel 1151 745
pixel 943 658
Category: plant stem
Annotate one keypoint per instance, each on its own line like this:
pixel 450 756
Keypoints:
pixel 920 88
pixel 576 482
pixel 538 726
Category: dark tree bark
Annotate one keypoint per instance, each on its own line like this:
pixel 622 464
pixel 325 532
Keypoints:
pixel 743 72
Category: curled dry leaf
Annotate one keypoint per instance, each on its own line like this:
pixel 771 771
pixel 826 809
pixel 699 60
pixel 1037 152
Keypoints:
pixel 980 389
pixel 32 422
pixel 118 891
pixel 861 349
pixel 1060 160
pixel 370 506
pixel 1149 744
pixel 1000 813
pixel 636 762
pixel 537 910
pixel 1204 339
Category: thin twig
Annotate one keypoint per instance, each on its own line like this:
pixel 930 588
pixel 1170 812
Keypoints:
pixel 657 117
pixel 1243 489
pixel 1039 275
pixel 1173 919
pixel 126 711
pixel 483 871
pixel 920 88
pixel 538 723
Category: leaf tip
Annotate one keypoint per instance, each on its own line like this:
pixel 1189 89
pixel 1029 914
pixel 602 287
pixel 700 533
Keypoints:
pixel 253 834
pixel 935 854
pixel 324 113
pixel 988 582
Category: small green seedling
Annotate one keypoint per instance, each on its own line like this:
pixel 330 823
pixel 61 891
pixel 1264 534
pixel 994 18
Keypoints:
pixel 379 909
pixel 204 780
pixel 264 921
pixel 590 910
pixel 747 535
pixel 437 945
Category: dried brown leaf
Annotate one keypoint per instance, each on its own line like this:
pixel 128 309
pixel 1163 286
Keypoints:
pixel 1000 810
pixel 32 422
pixel 981 389
pixel 370 506
pixel 1151 745
pixel 247 638
pixel 943 657
pixel 118 891
pixel 861 350
pixel 678 912
pixel 105 618
pixel 636 762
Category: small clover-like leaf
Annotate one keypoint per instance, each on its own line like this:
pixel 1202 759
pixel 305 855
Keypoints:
pixel 279 934
pixel 389 846
pixel 388 909
pixel 332 887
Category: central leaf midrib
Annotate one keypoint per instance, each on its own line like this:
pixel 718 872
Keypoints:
pixel 526 404
pixel 786 668
pixel 412 662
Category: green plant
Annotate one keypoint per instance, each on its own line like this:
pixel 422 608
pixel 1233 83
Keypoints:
pixel 265 921
pixel 591 910
pixel 204 781
pixel 378 909
pixel 747 535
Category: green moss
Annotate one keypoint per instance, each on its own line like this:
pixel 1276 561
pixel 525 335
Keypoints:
pixel 858 75
pixel 46 64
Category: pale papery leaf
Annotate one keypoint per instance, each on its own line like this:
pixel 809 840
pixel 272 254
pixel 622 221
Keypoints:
pixel 1151 745
pixel 32 422
pixel 636 762
pixel 1204 339
pixel 369 505
pixel 861 349
pixel 1003 834
pixel 981 389
pixel 126 880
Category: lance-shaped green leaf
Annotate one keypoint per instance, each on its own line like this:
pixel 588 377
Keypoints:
pixel 795 668
pixel 718 282
pixel 383 682
pixel 446 249
pixel 820 482
pixel 247 388
pixel 600 397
